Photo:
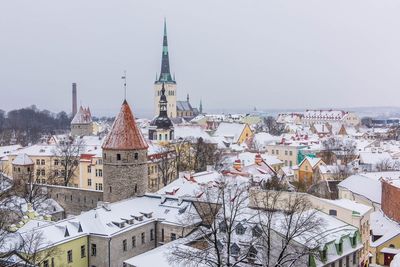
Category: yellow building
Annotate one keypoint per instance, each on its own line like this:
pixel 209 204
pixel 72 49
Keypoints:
pixel 307 169
pixel 234 133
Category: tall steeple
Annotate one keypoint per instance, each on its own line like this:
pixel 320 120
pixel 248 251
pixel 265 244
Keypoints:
pixel 165 75
pixel 201 107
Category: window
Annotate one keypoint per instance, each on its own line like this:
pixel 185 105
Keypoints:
pixel 69 256
pixel 333 212
pixel 173 236
pixel 133 241
pixel 162 235
pixel 100 161
pixel 83 251
pixel 354 258
pixel 118 156
pixel 43 172
pixel 273 152
pixel 89 182
pixel 46 263
pixel 52 262
pixel 124 245
pixel 99 186
pixel 94 249
pixel 340 263
pixel 38 162
pixel 136 155
pixel 43 162
pixel 37 172
pixel 56 162
pixel 347 260
pixel 290 153
pixel 89 169
pixel 286 152
pixel 100 173
pixel 151 234
pixel 143 238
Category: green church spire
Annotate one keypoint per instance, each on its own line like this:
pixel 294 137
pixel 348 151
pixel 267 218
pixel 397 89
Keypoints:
pixel 165 74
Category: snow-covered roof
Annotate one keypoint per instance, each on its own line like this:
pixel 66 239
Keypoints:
pixel 381 225
pixel 83 116
pixel 5 150
pixel 192 132
pixel 367 184
pixel 36 150
pixel 359 208
pixel 325 114
pixel 230 130
pixel 374 157
pixel 22 159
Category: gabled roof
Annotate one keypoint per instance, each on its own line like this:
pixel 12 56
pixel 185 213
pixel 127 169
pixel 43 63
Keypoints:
pixel 125 134
pixel 313 161
pixel 184 106
pixel 82 116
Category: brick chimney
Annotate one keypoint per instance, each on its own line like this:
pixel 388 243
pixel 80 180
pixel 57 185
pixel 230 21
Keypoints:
pixel 237 165
pixel 74 100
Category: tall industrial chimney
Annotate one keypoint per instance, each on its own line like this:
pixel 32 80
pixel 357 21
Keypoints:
pixel 74 100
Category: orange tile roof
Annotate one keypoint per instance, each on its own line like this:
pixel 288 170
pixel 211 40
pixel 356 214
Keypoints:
pixel 125 134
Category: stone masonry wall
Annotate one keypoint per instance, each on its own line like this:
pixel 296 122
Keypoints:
pixel 126 177
pixel 74 200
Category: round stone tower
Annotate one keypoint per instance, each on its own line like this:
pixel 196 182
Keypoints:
pixel 124 159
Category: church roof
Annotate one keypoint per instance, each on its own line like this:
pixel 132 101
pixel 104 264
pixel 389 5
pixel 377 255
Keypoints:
pixel 82 116
pixel 125 134
pixel 183 106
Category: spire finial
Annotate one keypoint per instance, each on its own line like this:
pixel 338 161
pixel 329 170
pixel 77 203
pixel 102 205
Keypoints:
pixel 165 26
pixel 187 97
pixel 124 78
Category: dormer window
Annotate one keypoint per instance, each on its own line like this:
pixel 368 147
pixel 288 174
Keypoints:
pixel 222 227
pixel 240 229
pixel 256 231
pixel 235 249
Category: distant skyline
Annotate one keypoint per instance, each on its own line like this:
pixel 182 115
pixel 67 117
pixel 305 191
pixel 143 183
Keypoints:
pixel 234 55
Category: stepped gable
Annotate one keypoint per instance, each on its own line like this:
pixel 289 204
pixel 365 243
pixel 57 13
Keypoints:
pixel 124 134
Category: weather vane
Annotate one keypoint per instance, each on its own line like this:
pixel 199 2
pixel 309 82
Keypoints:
pixel 124 78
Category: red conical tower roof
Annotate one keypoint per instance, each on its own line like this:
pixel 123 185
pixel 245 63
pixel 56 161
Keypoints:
pixel 124 134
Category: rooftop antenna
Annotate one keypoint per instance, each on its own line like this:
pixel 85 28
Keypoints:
pixel 124 78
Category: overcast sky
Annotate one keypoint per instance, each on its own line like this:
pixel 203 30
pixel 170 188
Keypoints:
pixel 232 54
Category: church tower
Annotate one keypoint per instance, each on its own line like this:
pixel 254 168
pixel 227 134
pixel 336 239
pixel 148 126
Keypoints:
pixel 161 129
pixel 124 158
pixel 166 79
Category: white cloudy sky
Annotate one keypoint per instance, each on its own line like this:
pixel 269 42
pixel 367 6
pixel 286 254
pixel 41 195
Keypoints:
pixel 240 54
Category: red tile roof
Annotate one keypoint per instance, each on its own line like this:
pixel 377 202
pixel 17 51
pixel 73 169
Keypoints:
pixel 124 134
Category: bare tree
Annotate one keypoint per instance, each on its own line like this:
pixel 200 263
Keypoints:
pixel 387 165
pixel 166 164
pixel 272 232
pixel 205 154
pixel 336 148
pixel 273 127
pixel 67 155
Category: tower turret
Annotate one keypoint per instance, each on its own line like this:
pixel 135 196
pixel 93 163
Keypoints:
pixel 124 158
pixel 161 128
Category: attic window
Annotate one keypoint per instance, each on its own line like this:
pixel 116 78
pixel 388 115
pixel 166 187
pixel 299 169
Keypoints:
pixel 240 229
pixel 136 155
pixel 147 214
pixel 333 212
pixel 118 156
pixel 66 233
pixel 119 224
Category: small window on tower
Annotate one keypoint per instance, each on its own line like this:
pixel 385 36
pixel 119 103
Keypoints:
pixel 136 155
pixel 118 156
